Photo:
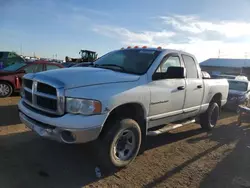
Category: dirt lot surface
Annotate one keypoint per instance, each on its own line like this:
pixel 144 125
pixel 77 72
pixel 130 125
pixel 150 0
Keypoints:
pixel 187 157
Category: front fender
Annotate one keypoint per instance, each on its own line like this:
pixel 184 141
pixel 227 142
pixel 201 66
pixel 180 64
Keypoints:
pixel 114 95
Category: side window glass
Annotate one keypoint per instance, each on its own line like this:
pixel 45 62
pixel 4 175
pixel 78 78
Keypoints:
pixel 31 68
pixel 172 61
pixel 51 67
pixel 191 67
pixel 39 68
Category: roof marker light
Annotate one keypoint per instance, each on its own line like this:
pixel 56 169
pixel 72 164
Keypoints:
pixel 129 47
pixel 122 48
pixel 136 47
pixel 144 47
pixel 159 48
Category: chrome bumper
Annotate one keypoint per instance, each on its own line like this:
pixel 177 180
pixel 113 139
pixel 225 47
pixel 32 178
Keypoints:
pixel 81 129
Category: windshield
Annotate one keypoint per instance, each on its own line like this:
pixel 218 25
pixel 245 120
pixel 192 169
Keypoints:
pixel 14 67
pixel 238 86
pixel 135 61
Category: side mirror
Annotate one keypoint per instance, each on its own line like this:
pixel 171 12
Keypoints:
pixel 172 73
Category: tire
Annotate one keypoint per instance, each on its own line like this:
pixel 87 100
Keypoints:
pixel 120 145
pixel 209 119
pixel 5 89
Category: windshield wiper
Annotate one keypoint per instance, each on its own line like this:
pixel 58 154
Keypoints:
pixel 110 65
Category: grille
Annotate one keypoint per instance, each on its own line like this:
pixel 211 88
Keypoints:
pixel 27 83
pixel 43 97
pixel 47 103
pixel 28 96
pixel 45 88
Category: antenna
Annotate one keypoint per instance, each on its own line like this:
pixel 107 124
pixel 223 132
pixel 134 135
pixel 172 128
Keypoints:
pixel 219 53
pixel 21 49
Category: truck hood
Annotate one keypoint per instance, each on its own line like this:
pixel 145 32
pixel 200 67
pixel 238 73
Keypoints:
pixel 86 76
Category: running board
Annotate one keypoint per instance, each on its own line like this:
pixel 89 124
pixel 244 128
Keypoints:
pixel 168 128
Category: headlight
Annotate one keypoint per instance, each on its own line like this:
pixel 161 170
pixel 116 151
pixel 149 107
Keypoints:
pixel 83 106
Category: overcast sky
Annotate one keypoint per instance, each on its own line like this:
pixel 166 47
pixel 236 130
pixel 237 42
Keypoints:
pixel 201 27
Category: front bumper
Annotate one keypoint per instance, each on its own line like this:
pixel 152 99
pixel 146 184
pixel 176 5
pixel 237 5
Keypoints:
pixel 68 128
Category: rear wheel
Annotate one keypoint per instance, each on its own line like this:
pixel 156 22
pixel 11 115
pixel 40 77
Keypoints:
pixel 209 119
pixel 120 144
pixel 5 89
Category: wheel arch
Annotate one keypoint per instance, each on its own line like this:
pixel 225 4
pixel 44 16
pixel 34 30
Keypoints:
pixel 8 82
pixel 133 110
pixel 216 98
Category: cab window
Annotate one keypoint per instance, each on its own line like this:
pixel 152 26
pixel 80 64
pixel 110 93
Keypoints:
pixel 171 61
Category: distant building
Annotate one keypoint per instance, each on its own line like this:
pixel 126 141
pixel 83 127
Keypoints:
pixel 227 66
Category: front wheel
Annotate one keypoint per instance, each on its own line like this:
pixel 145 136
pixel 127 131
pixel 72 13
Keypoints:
pixel 209 119
pixel 5 90
pixel 121 143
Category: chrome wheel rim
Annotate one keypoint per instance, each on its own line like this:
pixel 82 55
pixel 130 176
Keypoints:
pixel 4 90
pixel 125 145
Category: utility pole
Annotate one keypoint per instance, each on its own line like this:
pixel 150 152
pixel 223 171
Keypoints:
pixel 242 68
pixel 219 54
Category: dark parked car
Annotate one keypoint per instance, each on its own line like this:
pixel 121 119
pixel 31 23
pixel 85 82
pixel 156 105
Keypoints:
pixel 239 94
pixel 10 77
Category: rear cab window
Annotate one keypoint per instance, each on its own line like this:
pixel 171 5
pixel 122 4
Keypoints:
pixel 191 67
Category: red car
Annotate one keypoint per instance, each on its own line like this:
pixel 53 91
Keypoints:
pixel 10 77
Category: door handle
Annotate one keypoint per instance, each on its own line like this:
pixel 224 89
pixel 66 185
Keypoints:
pixel 199 86
pixel 181 88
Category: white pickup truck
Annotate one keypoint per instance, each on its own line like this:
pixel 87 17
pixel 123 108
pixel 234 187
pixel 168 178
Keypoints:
pixel 120 99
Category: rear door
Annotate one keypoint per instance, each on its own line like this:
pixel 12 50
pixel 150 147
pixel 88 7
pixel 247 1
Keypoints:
pixel 194 87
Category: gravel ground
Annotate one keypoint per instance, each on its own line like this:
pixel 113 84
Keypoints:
pixel 186 157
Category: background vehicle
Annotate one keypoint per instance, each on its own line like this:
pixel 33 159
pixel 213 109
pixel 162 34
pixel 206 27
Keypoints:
pixel 9 58
pixel 239 94
pixel 68 64
pixel 10 77
pixel 237 77
pixel 86 56
pixel 82 64
pixel 205 75
pixel 125 96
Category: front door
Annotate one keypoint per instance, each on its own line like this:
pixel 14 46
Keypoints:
pixel 167 95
